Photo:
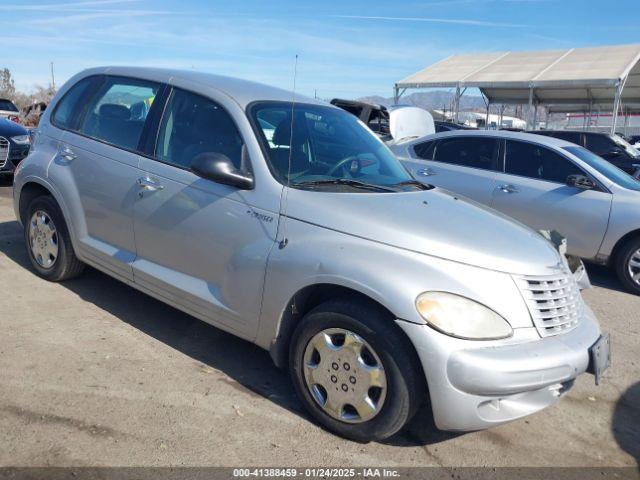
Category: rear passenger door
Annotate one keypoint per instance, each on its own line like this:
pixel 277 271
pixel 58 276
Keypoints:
pixel 99 153
pixel 202 245
pixel 533 190
pixel 462 164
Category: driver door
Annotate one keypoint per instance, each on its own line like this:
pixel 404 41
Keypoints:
pixel 201 245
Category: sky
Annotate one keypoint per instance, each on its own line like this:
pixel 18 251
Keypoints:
pixel 345 48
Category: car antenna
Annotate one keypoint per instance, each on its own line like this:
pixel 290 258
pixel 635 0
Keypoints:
pixel 283 243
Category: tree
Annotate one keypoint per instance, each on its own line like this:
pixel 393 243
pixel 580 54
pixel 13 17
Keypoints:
pixel 7 86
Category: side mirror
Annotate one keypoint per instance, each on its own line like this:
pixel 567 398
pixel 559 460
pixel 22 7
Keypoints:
pixel 614 152
pixel 580 181
pixel 220 169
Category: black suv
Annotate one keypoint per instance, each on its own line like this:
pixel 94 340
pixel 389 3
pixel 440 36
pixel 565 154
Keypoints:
pixel 14 145
pixel 612 148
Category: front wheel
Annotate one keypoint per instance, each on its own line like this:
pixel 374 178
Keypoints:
pixel 628 265
pixel 355 371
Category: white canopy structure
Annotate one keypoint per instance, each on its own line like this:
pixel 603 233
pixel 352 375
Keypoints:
pixel 583 79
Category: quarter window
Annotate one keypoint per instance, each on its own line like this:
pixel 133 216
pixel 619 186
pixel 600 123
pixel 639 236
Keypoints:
pixel 424 150
pixel 534 161
pixel 117 112
pixel 68 108
pixel 192 125
pixel 475 152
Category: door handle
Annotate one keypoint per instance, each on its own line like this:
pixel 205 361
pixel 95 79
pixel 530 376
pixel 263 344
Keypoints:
pixel 508 188
pixel 67 153
pixel 149 184
pixel 425 172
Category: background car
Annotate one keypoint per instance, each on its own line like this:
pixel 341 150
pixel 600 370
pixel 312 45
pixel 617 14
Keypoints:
pixel 449 126
pixel 9 110
pixel 612 148
pixel 546 183
pixel 375 116
pixel 14 146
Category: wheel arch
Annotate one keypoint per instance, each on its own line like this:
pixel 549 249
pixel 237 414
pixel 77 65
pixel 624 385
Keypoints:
pixel 621 243
pixel 305 300
pixel 28 192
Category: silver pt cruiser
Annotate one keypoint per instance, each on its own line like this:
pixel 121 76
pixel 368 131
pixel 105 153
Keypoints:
pixel 288 223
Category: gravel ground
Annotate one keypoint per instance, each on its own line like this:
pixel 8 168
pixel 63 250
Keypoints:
pixel 94 373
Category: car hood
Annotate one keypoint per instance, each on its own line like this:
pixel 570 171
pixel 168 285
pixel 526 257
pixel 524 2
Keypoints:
pixel 433 222
pixel 11 129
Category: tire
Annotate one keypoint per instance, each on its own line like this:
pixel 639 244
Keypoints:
pixel 405 384
pixel 630 252
pixel 66 265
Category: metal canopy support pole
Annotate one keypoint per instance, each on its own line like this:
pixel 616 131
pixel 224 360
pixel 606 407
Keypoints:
pixel 535 115
pixel 529 111
pixel 457 104
pixel 546 119
pixel 396 94
pixel 486 121
pixel 616 107
pixel 502 108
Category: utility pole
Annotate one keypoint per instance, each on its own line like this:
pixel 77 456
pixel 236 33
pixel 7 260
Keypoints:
pixel 53 80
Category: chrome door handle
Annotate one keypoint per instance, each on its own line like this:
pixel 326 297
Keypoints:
pixel 67 153
pixel 508 188
pixel 149 184
pixel 425 172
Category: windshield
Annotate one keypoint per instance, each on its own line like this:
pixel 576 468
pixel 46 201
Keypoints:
pixel 329 149
pixel 625 145
pixel 607 169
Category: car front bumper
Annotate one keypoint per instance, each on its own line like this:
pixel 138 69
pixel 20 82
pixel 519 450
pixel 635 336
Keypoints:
pixel 475 385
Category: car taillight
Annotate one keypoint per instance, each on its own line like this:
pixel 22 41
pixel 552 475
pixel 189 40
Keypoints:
pixel 14 118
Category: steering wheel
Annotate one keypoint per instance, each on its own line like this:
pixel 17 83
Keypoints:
pixel 342 163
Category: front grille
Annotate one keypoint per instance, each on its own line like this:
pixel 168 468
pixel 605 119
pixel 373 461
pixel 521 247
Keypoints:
pixel 4 151
pixel 554 302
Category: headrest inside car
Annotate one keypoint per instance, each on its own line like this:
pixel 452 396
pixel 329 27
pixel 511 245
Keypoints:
pixel 113 110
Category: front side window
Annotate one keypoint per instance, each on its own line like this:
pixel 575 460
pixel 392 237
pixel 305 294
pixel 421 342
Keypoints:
pixel 607 169
pixel 599 144
pixel 475 152
pixel 313 146
pixel 192 125
pixel 535 161
pixel 116 113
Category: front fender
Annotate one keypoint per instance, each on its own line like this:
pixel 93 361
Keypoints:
pixel 391 276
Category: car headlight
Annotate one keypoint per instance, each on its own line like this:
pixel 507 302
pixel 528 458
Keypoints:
pixel 21 139
pixel 461 317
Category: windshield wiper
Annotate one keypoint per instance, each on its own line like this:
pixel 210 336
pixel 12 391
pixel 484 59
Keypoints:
pixel 413 182
pixel 343 181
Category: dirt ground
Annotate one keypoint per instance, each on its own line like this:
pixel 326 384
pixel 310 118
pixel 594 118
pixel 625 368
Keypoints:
pixel 94 373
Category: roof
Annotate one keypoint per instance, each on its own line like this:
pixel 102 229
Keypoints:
pixel 242 91
pixel 574 77
pixel 528 137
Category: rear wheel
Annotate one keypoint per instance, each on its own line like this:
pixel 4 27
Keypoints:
pixel 628 265
pixel 48 242
pixel 354 371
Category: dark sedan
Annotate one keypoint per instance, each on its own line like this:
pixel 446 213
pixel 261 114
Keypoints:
pixel 14 145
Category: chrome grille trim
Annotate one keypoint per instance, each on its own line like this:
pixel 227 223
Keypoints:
pixel 554 302
pixel 4 151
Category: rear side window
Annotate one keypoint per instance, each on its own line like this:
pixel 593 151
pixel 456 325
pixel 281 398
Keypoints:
pixel 475 152
pixel 116 113
pixel 424 150
pixel 69 107
pixel 534 161
pixel 193 125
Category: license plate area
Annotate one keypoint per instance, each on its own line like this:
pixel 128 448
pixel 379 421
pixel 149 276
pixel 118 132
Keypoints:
pixel 600 357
